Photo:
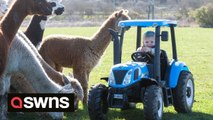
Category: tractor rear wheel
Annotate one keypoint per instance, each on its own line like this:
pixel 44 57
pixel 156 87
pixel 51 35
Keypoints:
pixel 183 93
pixel 153 103
pixel 97 102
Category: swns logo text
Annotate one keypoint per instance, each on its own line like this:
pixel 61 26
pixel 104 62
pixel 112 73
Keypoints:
pixel 40 102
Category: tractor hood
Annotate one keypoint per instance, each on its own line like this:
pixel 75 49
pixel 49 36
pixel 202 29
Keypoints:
pixel 123 75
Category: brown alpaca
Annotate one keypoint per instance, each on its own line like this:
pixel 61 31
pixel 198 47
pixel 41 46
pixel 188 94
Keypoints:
pixel 80 53
pixel 11 22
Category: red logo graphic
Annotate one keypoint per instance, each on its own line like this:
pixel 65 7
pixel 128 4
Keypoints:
pixel 19 103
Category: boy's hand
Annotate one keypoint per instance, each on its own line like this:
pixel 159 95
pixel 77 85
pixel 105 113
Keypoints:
pixel 145 49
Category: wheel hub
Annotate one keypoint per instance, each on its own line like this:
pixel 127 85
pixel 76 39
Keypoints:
pixel 189 92
pixel 160 106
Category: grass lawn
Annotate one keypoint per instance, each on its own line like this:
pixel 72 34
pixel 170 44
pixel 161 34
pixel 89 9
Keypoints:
pixel 195 48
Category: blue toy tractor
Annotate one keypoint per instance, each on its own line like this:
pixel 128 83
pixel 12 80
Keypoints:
pixel 152 80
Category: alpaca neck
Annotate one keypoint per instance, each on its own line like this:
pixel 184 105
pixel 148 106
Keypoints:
pixel 102 38
pixel 35 30
pixel 48 86
pixel 53 74
pixel 12 20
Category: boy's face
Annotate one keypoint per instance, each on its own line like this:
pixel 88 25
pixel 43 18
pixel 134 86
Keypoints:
pixel 149 41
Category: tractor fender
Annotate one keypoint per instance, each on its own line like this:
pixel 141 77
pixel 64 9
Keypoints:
pixel 176 68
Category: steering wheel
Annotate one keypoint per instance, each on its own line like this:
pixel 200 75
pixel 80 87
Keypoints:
pixel 141 57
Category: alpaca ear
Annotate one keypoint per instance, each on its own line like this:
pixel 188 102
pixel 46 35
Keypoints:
pixel 66 80
pixel 119 13
pixel 126 12
pixel 67 89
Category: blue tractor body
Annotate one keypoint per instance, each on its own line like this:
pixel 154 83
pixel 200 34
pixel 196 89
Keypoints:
pixel 124 75
pixel 125 78
pixel 176 68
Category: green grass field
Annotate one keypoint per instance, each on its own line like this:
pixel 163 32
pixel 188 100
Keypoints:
pixel 195 48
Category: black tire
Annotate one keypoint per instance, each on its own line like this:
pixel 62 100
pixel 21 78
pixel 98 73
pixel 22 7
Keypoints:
pixel 153 103
pixel 183 93
pixel 97 102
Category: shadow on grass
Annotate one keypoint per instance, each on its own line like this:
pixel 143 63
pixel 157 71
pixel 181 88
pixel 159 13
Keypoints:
pixel 188 116
pixel 27 116
pixel 130 114
pixel 137 114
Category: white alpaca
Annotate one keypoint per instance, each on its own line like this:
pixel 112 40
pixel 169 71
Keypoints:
pixel 21 60
pixel 22 84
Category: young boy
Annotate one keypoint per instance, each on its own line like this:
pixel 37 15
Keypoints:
pixel 149 47
pixel 148 43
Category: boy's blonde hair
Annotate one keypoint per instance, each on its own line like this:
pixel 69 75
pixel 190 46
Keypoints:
pixel 149 34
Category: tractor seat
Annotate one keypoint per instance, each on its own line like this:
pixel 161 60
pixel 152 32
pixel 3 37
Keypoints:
pixel 164 63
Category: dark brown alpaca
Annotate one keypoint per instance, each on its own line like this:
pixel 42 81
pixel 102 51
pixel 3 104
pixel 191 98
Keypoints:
pixel 9 26
pixel 80 53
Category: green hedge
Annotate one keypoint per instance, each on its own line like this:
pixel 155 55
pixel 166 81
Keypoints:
pixel 204 15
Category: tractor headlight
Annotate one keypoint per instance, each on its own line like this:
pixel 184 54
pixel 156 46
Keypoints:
pixel 111 79
pixel 127 78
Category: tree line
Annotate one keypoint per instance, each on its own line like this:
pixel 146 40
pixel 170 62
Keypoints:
pixel 171 9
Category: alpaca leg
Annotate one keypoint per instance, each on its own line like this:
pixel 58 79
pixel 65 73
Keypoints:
pixel 82 77
pixel 3 55
pixel 3 108
pixel 4 84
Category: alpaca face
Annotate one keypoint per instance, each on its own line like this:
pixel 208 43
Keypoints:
pixel 76 85
pixel 121 15
pixel 58 9
pixel 43 7
pixel 78 90
pixel 3 7
pixel 39 7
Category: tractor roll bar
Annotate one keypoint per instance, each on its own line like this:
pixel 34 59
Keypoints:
pixel 116 46
pixel 174 49
pixel 138 37
pixel 157 54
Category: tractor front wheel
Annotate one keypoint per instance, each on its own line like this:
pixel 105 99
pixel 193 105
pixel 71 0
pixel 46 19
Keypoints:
pixel 153 103
pixel 97 102
pixel 183 93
